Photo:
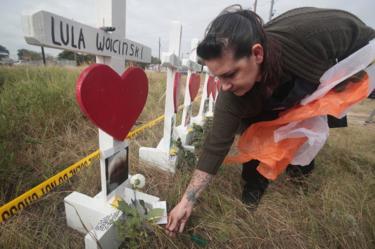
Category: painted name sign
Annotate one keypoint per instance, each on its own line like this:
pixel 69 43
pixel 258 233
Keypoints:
pixel 46 29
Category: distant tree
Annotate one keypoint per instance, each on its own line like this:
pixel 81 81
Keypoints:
pixel 66 55
pixel 28 55
pixel 85 59
pixel 79 58
pixel 4 52
pixel 143 65
pixel 50 57
pixel 155 60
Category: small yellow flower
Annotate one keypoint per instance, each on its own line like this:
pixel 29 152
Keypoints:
pixel 116 202
pixel 173 151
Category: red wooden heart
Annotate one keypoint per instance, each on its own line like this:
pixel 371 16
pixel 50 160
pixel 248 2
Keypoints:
pixel 176 87
pixel 194 84
pixel 211 87
pixel 218 84
pixel 112 102
pixel 214 93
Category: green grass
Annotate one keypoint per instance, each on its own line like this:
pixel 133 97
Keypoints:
pixel 42 131
pixel 39 118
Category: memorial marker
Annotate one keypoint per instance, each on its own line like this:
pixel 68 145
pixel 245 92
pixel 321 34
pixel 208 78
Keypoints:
pixel 111 101
pixel 205 99
pixel 191 91
pixel 212 93
pixel 162 156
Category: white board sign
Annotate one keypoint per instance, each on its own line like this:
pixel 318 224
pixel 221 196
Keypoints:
pixel 46 29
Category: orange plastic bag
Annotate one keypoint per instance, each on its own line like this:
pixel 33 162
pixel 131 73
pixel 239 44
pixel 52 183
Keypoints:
pixel 258 141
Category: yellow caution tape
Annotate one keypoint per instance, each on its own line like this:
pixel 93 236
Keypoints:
pixel 16 205
pixel 150 124
pixel 24 200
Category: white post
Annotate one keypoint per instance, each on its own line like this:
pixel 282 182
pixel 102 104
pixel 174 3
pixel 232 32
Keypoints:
pixel 193 67
pixel 172 64
pixel 110 13
pixel 161 156
pixel 211 103
pixel 191 63
pixel 213 97
pixel 204 104
pixel 187 101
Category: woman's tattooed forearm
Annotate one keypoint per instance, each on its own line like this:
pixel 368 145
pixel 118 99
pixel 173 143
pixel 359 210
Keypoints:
pixel 198 183
pixel 191 195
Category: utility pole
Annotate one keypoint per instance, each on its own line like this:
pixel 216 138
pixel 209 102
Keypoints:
pixel 159 55
pixel 271 10
pixel 255 6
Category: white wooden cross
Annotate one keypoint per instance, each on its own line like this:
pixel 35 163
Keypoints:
pixel 206 104
pixel 86 214
pixel 182 130
pixel 161 156
pixel 212 98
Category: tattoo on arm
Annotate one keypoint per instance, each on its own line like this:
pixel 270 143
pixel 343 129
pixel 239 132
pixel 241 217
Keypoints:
pixel 191 195
pixel 198 183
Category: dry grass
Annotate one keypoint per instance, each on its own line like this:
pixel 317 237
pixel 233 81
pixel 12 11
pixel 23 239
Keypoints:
pixel 42 131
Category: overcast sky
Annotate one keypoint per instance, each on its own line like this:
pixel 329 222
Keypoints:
pixel 147 20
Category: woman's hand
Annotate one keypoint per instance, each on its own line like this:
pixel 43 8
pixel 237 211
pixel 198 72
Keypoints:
pixel 178 217
pixel 181 212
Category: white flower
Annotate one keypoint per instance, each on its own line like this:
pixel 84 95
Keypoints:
pixel 138 181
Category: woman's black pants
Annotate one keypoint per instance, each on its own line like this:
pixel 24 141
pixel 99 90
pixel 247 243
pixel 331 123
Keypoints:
pixel 251 175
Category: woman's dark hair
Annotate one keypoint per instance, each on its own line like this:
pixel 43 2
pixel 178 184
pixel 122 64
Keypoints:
pixel 237 29
pixel 234 28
